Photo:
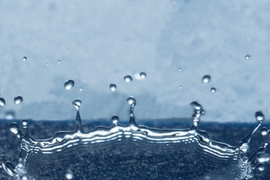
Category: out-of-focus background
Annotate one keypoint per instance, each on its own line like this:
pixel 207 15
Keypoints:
pixel 98 43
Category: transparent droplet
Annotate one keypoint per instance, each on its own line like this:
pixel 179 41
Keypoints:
pixel 180 69
pixel 24 123
pixel 264 131
pixel 47 64
pixel 206 79
pixel 14 128
pixel 69 84
pixel 24 177
pixel 24 58
pixel 143 75
pixel 213 90
pixel 18 99
pixel 128 78
pixel 10 115
pixel 260 167
pixel 2 102
pixel 115 120
pixel 259 116
pixel 59 61
pixel 247 57
pixel 263 157
pixel 77 104
pixel 81 89
pixel 131 100
pixel 180 87
pixel 69 174
pixel 113 87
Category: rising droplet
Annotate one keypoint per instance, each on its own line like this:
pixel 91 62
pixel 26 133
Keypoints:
pixel 143 75
pixel 69 174
pixel 115 120
pixel 24 123
pixel 69 84
pixel 128 78
pixel 259 116
pixel 131 101
pixel 2 102
pixel 18 99
pixel 77 104
pixel 24 58
pixel 206 79
pixel 213 90
pixel 247 57
pixel 264 131
pixel 113 87
pixel 59 61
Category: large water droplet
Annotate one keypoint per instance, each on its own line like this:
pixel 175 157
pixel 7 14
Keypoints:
pixel 69 84
pixel 264 131
pixel 143 75
pixel 24 58
pixel 131 101
pixel 247 57
pixel 213 90
pixel 259 116
pixel 69 174
pixel 2 102
pixel 113 87
pixel 115 120
pixel 206 79
pixel 77 104
pixel 18 99
pixel 128 78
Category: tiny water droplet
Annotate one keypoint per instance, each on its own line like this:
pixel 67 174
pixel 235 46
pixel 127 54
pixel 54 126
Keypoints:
pixel 69 84
pixel 77 104
pixel 260 167
pixel 24 58
pixel 2 102
pixel 18 99
pixel 180 69
pixel 47 64
pixel 128 78
pixel 10 115
pixel 206 79
pixel 14 128
pixel 115 120
pixel 143 75
pixel 24 177
pixel 81 89
pixel 59 61
pixel 131 100
pixel 264 131
pixel 259 116
pixel 263 157
pixel 180 87
pixel 113 87
pixel 69 174
pixel 24 123
pixel 213 90
pixel 247 57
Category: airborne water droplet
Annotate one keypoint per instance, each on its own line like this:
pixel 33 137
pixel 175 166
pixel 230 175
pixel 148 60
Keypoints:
pixel 24 123
pixel 69 84
pixel 2 102
pixel 14 128
pixel 113 87
pixel 264 131
pixel 180 87
pixel 10 115
pixel 180 69
pixel 247 57
pixel 143 75
pixel 81 89
pixel 206 79
pixel 115 120
pixel 259 116
pixel 131 100
pixel 59 61
pixel 77 104
pixel 260 167
pixel 18 99
pixel 213 90
pixel 128 78
pixel 24 58
pixel 69 174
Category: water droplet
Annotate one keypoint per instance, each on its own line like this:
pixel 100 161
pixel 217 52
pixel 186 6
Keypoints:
pixel 180 87
pixel 113 87
pixel 69 174
pixel 77 104
pixel 206 79
pixel 143 75
pixel 81 89
pixel 260 167
pixel 14 128
pixel 18 99
pixel 47 64
pixel 115 120
pixel 24 123
pixel 24 58
pixel 24 177
pixel 10 115
pixel 259 116
pixel 2 102
pixel 264 131
pixel 128 78
pixel 180 69
pixel 131 101
pixel 213 90
pixel 69 84
pixel 247 57
pixel 263 157
pixel 59 61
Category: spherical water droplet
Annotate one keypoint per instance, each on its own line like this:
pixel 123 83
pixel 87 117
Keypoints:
pixel 2 102
pixel 10 115
pixel 113 87
pixel 180 87
pixel 69 84
pixel 24 123
pixel 18 99
pixel 14 128
pixel 247 57
pixel 81 89
pixel 128 78
pixel 206 79
pixel 115 120
pixel 264 131
pixel 260 167
pixel 47 64
pixel 24 58
pixel 131 101
pixel 59 61
pixel 143 75
pixel 259 116
pixel 24 177
pixel 180 69
pixel 69 174
pixel 263 157
pixel 77 104
pixel 213 90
